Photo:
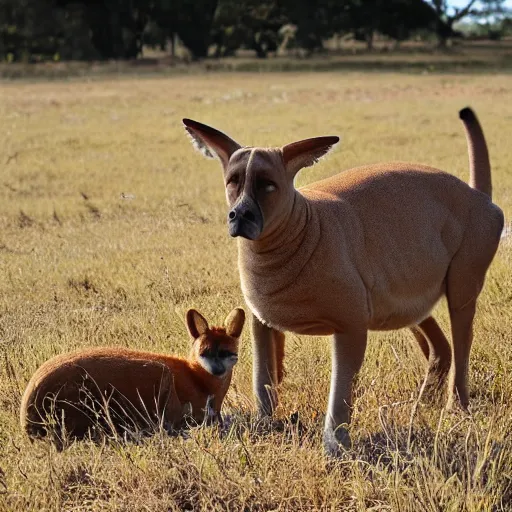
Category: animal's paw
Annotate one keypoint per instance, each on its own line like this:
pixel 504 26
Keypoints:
pixel 337 442
pixel 211 417
pixel 226 422
pixel 455 405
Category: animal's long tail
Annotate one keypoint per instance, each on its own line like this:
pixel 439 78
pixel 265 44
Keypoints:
pixel 479 164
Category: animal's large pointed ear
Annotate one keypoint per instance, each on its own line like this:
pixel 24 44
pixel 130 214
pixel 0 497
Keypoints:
pixel 305 153
pixel 210 141
pixel 234 322
pixel 196 323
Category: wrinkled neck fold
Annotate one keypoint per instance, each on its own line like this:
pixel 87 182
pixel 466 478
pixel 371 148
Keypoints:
pixel 288 232
pixel 275 261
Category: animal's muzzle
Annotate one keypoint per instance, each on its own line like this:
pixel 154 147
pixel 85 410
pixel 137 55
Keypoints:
pixel 245 219
pixel 218 371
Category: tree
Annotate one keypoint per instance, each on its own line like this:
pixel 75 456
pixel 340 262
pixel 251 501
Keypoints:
pixel 445 21
pixel 317 20
pixel 191 20
pixel 117 27
pixel 28 29
pixel 394 18
pixel 491 15
pixel 247 23
pixel 365 18
pixel 401 18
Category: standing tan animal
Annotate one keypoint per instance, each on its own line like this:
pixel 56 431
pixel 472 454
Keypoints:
pixel 372 248
pixel 132 389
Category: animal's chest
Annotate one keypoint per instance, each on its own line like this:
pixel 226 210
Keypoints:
pixel 299 315
pixel 313 304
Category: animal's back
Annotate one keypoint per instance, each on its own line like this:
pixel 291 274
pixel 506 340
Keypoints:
pixel 141 378
pixel 390 178
pixel 413 219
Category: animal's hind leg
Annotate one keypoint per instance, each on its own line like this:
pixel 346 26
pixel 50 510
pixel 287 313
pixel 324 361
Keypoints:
pixel 436 349
pixel 464 281
pixel 422 341
pixel 462 333
pixel 279 340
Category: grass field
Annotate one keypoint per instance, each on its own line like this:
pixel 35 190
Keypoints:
pixel 111 226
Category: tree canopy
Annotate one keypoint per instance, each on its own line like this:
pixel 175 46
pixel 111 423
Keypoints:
pixel 118 29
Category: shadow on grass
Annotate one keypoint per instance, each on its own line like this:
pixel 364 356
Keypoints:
pixel 463 451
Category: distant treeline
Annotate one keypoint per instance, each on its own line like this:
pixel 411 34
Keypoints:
pixel 118 29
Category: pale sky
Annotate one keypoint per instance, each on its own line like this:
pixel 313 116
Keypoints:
pixel 462 3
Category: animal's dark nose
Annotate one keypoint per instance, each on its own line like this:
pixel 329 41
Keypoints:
pixel 218 371
pixel 242 213
pixel 245 219
pixel 248 215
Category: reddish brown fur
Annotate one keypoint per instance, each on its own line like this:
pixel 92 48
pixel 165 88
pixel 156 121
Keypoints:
pixel 157 386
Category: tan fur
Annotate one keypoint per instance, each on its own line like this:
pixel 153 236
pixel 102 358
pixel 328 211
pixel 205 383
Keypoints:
pixel 132 388
pixel 372 248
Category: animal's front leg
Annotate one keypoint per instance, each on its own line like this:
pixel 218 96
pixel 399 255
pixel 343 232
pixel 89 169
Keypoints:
pixel 264 368
pixel 347 357
pixel 211 416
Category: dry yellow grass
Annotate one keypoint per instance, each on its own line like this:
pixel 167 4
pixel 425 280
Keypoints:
pixel 111 226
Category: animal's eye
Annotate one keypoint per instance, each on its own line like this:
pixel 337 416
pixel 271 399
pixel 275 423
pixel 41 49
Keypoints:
pixel 266 185
pixel 233 180
pixel 226 353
